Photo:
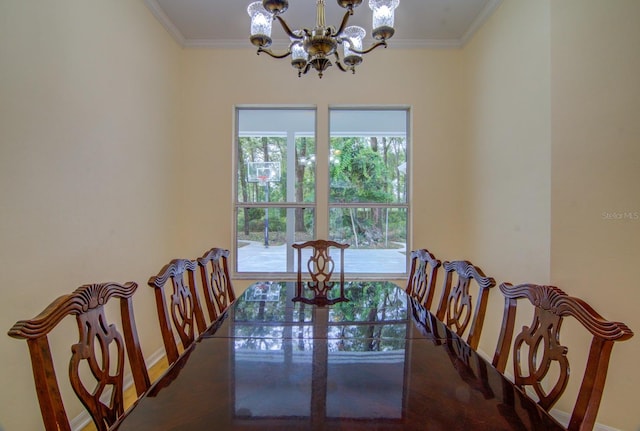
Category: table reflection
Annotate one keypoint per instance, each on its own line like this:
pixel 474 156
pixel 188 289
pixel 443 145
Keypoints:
pixel 379 361
pixel 295 347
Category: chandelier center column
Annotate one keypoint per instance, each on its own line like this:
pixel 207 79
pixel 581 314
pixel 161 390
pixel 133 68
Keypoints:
pixel 317 47
pixel 320 17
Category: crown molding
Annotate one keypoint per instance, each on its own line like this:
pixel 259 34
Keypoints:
pixel 219 44
pixel 482 17
pixel 425 43
pixel 162 17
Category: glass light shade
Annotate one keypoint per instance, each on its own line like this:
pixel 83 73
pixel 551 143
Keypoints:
pixel 354 36
pixel 260 19
pixel 298 52
pixel 299 56
pixel 383 16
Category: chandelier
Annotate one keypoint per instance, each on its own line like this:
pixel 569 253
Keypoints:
pixel 312 48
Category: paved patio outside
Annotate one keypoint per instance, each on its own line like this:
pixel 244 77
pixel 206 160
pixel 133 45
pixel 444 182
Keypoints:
pixel 255 257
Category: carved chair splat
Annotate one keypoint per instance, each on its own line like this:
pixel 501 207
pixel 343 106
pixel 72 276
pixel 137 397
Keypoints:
pixel 456 308
pixel 94 348
pixel 216 283
pixel 542 340
pixel 183 312
pixel 422 276
pixel 320 267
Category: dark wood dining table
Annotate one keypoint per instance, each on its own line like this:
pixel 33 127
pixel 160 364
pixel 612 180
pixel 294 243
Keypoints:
pixel 378 361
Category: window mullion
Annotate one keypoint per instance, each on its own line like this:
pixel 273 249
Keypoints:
pixel 322 174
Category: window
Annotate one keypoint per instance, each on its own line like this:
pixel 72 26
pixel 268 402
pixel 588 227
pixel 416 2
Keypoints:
pixel 275 199
pixel 367 188
pixel 364 195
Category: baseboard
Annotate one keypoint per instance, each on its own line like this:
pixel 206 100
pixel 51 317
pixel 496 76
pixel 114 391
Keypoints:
pixel 83 419
pixel 564 417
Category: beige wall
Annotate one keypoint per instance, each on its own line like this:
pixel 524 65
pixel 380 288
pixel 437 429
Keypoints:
pixel 595 176
pixel 88 134
pixel 509 151
pixel 217 80
pixel 509 147
pixel 111 137
pixel 554 146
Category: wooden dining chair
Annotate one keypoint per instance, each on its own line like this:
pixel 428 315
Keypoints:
pixel 216 283
pixel 537 347
pixel 179 310
pixel 320 267
pixel 100 348
pixel 456 307
pixel 422 276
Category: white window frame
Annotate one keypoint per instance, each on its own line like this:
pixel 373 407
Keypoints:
pixel 321 202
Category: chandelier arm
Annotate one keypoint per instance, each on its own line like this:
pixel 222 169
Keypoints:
pixel 339 63
pixel 345 21
pixel 371 48
pixel 272 54
pixel 341 67
pixel 287 30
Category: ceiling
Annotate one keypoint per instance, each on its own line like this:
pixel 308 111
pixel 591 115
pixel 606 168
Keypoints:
pixel 225 23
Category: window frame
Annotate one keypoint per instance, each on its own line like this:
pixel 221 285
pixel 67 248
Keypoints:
pixel 321 188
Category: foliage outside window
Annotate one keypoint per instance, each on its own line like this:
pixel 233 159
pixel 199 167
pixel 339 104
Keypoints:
pixel 367 192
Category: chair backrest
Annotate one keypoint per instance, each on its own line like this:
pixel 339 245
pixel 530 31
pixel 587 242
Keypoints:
pixel 456 307
pixel 216 283
pixel 320 267
pixel 539 344
pixel 100 348
pixel 180 311
pixel 422 276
